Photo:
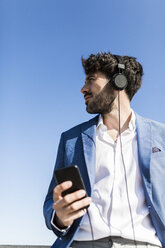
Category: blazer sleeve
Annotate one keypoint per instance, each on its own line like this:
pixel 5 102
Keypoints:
pixel 48 203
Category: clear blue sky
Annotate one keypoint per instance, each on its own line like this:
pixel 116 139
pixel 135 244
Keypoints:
pixel 41 44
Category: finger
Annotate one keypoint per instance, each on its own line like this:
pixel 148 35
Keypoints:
pixel 75 215
pixel 69 199
pixel 75 196
pixel 79 205
pixel 58 204
pixel 57 192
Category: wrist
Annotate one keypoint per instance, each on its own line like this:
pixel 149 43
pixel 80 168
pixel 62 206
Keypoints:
pixel 59 223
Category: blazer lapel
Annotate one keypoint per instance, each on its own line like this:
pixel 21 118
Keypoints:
pixel 89 147
pixel 144 149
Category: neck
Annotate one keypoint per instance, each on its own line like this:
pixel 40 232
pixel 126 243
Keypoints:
pixel 111 119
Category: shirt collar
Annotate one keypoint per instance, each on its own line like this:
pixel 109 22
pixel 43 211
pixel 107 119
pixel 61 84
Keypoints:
pixel 131 125
pixel 100 121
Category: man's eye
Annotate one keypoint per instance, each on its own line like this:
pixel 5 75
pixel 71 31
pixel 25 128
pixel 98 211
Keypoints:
pixel 91 78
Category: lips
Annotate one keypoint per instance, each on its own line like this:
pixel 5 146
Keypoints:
pixel 86 97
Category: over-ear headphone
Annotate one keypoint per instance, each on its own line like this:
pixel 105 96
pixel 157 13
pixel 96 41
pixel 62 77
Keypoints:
pixel 119 80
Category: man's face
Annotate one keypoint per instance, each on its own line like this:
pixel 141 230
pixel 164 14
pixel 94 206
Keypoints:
pixel 98 93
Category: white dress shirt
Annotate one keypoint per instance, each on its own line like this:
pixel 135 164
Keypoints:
pixel 109 210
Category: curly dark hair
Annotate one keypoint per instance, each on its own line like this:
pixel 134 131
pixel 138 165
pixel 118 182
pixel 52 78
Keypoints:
pixel 107 64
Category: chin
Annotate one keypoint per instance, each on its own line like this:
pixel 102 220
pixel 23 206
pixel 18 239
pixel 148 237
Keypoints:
pixel 90 111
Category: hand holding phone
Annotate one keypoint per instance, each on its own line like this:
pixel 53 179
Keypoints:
pixel 70 197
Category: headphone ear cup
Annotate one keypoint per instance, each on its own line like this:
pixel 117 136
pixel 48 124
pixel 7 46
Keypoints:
pixel 119 81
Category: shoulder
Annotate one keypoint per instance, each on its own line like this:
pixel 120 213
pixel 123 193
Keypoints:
pixel 78 129
pixel 150 122
pixel 151 129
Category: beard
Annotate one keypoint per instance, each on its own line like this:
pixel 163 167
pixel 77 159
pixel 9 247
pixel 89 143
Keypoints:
pixel 101 103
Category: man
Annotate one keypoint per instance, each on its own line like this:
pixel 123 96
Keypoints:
pixel 121 158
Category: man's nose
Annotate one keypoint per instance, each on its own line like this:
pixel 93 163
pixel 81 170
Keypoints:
pixel 84 89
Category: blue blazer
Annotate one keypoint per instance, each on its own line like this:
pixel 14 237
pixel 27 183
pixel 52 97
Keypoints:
pixel 77 147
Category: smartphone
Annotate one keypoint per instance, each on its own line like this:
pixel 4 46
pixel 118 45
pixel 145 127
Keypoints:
pixel 70 173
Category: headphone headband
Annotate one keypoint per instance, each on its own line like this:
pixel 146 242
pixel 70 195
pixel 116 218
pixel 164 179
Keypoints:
pixel 120 61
